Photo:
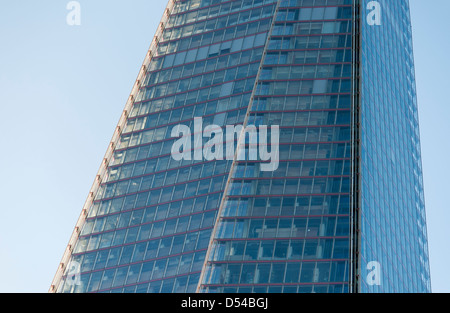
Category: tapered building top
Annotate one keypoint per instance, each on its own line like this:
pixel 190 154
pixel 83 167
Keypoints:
pixel 267 146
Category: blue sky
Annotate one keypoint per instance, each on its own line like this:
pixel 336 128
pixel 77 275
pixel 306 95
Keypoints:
pixel 63 88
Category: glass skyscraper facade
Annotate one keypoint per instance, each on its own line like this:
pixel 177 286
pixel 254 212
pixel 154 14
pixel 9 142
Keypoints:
pixel 347 187
pixel 392 220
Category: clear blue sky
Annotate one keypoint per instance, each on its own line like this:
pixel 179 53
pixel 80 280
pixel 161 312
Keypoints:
pixel 63 88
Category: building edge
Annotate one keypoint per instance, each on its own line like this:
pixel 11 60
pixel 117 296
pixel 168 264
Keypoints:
pixel 110 150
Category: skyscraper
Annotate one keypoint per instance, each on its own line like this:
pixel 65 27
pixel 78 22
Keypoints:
pixel 190 197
